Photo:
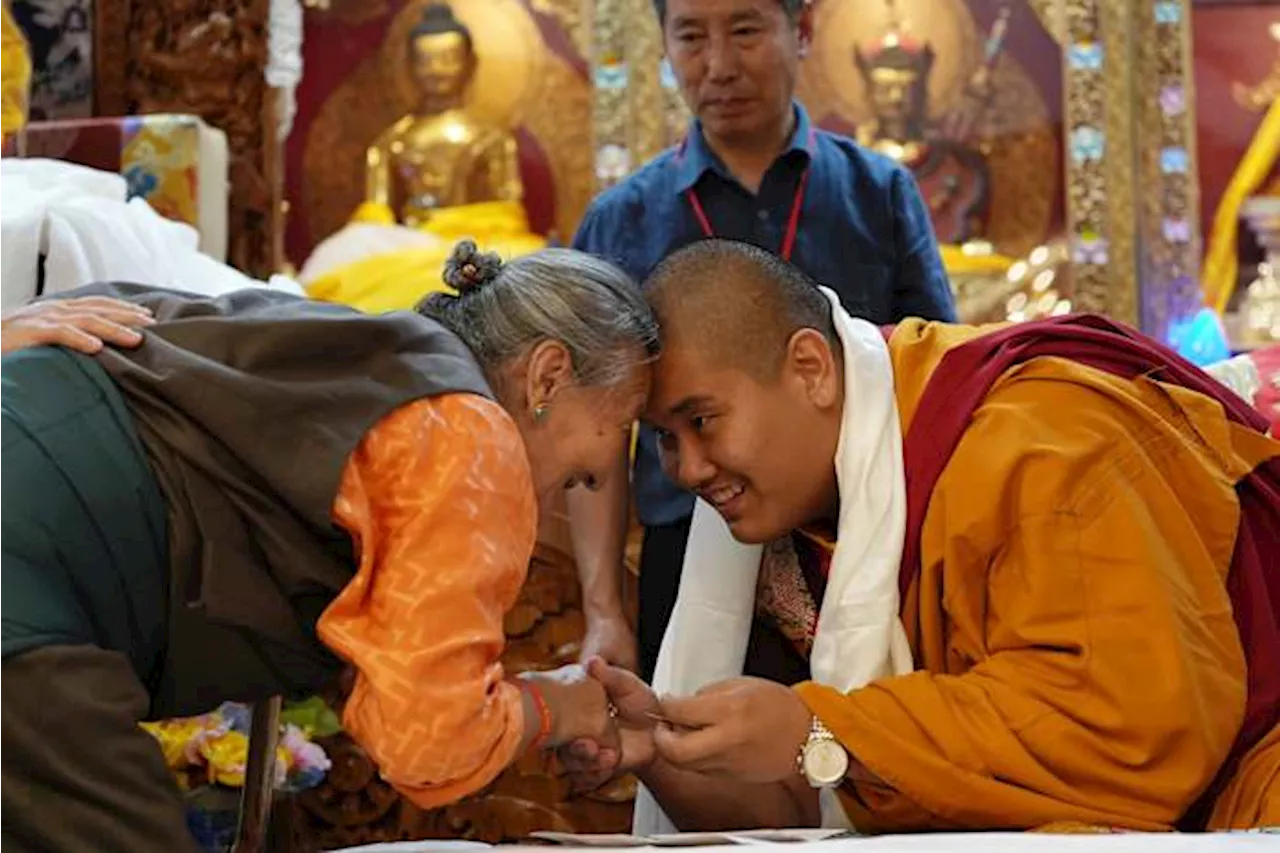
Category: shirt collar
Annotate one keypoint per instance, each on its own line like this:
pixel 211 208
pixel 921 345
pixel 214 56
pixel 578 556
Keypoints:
pixel 694 156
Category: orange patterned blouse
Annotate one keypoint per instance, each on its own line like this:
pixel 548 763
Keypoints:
pixel 439 502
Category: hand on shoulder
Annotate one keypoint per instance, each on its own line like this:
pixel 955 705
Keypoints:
pixel 85 324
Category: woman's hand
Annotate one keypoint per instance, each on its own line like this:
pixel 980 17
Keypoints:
pixel 743 728
pixel 591 764
pixel 578 705
pixel 84 325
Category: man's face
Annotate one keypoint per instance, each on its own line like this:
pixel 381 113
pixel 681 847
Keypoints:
pixel 736 62
pixel 752 448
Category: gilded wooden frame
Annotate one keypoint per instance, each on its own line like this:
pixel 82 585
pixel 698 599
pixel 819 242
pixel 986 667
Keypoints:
pixel 1129 123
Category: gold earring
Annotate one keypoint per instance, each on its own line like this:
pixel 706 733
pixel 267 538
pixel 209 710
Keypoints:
pixel 539 412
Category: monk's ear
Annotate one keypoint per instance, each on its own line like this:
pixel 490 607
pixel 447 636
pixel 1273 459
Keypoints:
pixel 812 364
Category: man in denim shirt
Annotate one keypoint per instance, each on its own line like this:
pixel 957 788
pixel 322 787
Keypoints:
pixel 753 168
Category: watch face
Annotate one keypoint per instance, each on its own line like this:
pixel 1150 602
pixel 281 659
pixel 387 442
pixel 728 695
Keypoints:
pixel 825 762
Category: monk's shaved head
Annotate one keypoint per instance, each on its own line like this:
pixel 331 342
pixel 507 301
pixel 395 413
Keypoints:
pixel 736 303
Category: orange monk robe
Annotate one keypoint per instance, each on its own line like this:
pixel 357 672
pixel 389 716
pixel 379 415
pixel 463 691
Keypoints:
pixel 1078 660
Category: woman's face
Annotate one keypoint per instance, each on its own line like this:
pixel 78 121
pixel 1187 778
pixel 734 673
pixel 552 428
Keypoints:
pixel 582 431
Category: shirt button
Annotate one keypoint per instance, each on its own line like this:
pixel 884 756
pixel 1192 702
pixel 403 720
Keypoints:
pixel 762 215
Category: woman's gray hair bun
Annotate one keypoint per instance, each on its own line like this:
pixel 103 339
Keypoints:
pixel 469 269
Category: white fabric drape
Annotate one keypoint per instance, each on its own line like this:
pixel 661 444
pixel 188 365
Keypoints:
pixel 859 635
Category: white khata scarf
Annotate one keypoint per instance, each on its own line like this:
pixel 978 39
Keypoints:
pixel 859 636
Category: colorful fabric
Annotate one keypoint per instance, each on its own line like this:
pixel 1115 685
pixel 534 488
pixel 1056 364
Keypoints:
pixel 158 155
pixel 793 574
pixel 440 500
pixel 159 160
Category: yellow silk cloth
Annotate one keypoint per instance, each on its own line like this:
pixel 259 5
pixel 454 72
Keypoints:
pixel 396 280
pixel 1257 164
pixel 956 260
pixel 1078 659
pixel 16 75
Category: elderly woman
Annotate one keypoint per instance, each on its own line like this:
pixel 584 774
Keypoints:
pixel 268 487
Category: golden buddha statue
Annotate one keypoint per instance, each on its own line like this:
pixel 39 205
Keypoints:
pixel 953 177
pixel 436 175
pixel 439 155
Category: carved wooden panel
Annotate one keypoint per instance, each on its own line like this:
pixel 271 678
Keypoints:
pixel 206 58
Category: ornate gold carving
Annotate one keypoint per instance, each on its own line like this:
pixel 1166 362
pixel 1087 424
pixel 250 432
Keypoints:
pixel 648 131
pixel 206 58
pixel 562 124
pixel 1166 140
pixel 610 108
pixel 1097 126
pixel 518 83
pixel 574 17
pixel 1051 18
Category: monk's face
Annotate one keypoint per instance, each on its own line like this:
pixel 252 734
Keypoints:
pixel 759 449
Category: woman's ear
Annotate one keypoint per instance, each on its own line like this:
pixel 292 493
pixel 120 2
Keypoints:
pixel 549 371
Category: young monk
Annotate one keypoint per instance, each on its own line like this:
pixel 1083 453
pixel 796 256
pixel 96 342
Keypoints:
pixel 1015 576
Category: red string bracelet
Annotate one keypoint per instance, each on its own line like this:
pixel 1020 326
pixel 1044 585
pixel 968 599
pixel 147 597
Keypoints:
pixel 544 714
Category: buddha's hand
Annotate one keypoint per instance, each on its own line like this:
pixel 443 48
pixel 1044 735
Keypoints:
pixel 85 324
pixel 742 728
pixel 591 763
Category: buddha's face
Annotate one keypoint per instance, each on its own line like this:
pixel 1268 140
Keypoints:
pixel 442 64
pixel 893 93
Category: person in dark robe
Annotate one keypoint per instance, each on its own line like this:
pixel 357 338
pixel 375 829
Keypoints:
pixel 257 491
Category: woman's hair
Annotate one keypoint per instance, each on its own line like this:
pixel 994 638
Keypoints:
pixel 589 305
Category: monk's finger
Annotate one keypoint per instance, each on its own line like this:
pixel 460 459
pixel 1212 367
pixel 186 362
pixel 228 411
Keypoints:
pixel 704 750
pixel 629 694
pixel 696 712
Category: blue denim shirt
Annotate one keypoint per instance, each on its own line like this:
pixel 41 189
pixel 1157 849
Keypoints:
pixel 863 231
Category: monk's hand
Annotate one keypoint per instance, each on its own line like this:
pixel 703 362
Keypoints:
pixel 85 324
pixel 590 763
pixel 742 728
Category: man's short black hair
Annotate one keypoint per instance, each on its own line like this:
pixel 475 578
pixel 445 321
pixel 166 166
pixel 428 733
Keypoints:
pixel 791 7
pixel 736 303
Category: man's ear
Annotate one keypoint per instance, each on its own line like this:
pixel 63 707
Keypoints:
pixel 812 363
pixel 548 371
pixel 804 28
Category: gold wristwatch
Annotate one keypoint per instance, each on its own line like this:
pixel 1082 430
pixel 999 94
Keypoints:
pixel 822 759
